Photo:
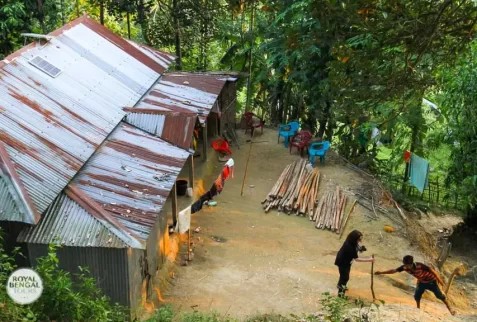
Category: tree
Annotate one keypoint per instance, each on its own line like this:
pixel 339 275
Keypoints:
pixel 459 106
pixel 12 23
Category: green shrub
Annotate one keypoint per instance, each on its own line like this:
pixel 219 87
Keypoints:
pixel 64 298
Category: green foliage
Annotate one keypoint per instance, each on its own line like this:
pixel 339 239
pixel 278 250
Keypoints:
pixel 12 15
pixel 459 97
pixel 64 297
pixel 335 307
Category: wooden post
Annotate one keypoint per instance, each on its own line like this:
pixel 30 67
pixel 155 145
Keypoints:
pixel 204 140
pixel 437 189
pixel 191 171
pixel 372 279
pixel 174 205
pixel 188 247
pixel 246 167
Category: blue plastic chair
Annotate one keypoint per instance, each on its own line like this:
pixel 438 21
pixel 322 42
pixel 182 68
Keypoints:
pixel 318 150
pixel 294 126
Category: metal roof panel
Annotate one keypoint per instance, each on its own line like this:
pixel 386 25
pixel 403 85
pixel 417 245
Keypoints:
pixel 52 126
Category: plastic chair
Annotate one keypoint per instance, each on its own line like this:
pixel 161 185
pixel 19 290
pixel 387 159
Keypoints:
pixel 250 125
pixel 300 141
pixel 220 145
pixel 287 134
pixel 318 150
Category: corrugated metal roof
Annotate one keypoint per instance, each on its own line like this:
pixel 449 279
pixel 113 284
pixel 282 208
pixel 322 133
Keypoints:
pixel 66 222
pixel 160 57
pixel 184 93
pixel 175 128
pixel 15 203
pixel 51 126
pixel 131 176
pixel 9 206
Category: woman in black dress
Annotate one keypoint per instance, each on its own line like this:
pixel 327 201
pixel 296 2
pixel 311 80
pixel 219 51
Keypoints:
pixel 345 257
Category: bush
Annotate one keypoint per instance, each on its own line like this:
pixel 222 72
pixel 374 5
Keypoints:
pixel 64 298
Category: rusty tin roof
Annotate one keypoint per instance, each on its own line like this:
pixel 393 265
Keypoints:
pixel 50 126
pixel 184 93
pixel 175 128
pixel 123 187
pixel 162 58
pixel 67 223
pixel 131 176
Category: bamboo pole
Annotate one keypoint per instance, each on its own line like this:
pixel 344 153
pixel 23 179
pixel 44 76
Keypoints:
pixel 347 218
pixel 372 278
pixel 246 167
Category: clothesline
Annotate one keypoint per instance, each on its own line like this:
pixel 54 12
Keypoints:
pixel 183 220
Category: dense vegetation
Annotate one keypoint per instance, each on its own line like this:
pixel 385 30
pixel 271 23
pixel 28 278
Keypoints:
pixel 64 298
pixel 342 67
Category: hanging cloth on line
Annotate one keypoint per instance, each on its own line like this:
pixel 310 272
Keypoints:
pixel 183 220
pixel 216 188
pixel 419 172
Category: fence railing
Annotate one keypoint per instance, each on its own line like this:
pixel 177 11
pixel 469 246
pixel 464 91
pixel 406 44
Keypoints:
pixel 435 193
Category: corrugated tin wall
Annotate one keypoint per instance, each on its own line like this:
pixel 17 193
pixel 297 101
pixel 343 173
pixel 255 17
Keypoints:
pixel 107 265
pixel 135 279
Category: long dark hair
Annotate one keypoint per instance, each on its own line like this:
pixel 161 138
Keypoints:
pixel 354 237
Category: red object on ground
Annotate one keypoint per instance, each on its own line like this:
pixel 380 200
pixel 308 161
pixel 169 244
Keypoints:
pixel 300 141
pixel 407 156
pixel 251 125
pixel 220 145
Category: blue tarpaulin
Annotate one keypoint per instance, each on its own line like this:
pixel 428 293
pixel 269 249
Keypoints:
pixel 419 172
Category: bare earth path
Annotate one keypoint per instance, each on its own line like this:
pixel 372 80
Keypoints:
pixel 248 262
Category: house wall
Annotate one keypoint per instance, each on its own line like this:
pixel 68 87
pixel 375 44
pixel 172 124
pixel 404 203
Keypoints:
pixel 109 266
pixel 136 278
pixel 228 105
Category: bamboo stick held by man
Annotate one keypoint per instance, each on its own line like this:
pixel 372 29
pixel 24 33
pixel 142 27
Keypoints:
pixel 426 277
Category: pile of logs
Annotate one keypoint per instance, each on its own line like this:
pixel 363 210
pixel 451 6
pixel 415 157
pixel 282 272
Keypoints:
pixel 330 210
pixel 295 191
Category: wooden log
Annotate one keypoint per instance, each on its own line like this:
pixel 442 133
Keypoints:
pixel 343 226
pixel 372 279
pixel 329 210
pixel 296 192
pixel 302 191
pixel 286 182
pixel 312 197
pixel 324 208
pixel 318 208
pixel 292 186
pixel 300 182
pixel 306 193
pixel 343 207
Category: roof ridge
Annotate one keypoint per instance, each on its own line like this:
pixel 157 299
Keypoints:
pixel 7 167
pixel 82 199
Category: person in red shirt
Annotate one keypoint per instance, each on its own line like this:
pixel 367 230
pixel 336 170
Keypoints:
pixel 427 279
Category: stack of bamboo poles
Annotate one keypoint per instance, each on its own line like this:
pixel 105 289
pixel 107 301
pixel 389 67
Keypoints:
pixel 330 210
pixel 295 191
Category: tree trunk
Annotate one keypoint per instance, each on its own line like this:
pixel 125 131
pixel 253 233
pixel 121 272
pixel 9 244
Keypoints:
pixel 250 55
pixel 129 26
pixel 177 36
pixel 101 12
pixel 41 16
pixel 324 120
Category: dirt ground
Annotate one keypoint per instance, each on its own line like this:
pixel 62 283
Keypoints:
pixel 248 262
